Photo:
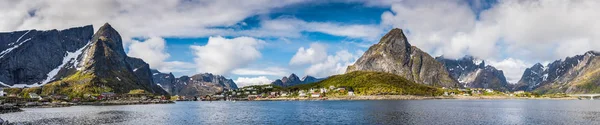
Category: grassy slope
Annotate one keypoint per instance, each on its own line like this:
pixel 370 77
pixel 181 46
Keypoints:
pixel 374 83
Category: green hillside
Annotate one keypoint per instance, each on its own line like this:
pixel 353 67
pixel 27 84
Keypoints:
pixel 374 83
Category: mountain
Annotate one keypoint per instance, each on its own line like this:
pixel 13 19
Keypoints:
pixel 393 54
pixel 373 83
pixel 293 79
pixel 199 84
pixel 310 79
pixel 473 73
pixel 98 65
pixel 31 58
pixel 577 74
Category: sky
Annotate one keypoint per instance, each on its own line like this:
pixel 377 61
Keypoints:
pixel 258 41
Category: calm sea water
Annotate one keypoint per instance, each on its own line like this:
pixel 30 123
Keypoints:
pixel 573 112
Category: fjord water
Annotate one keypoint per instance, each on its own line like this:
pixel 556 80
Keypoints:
pixel 324 112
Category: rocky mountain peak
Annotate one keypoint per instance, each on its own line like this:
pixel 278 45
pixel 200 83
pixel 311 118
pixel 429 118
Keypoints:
pixel 394 54
pixel 293 79
pixel 473 73
pixel 110 37
pixel 395 37
pixel 592 53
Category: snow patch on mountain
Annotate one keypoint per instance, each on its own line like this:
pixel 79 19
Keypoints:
pixel 68 58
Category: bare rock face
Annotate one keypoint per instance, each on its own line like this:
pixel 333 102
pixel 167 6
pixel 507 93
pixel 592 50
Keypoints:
pixel 196 85
pixel 473 73
pixel 28 57
pixel 393 54
pixel 577 74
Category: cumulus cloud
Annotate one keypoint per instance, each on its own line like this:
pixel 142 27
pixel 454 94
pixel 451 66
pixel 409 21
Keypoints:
pixel 335 64
pixel 221 55
pixel 513 68
pixel 327 65
pixel 152 51
pixel 270 71
pixel 316 53
pixel 527 31
pixel 248 81
pixel 432 24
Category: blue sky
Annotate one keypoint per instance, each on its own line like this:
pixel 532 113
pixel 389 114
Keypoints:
pixel 278 52
pixel 255 42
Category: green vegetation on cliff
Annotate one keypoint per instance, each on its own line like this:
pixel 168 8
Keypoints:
pixel 75 85
pixel 374 83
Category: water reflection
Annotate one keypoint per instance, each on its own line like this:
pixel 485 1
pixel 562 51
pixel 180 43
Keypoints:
pixel 324 112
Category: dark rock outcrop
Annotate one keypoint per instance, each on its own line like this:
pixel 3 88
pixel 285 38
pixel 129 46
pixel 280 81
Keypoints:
pixel 393 54
pixel 28 57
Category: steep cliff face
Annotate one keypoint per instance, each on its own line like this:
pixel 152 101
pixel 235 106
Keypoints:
pixel 293 80
pixel 31 58
pixel 196 85
pixel 393 54
pixel 98 65
pixel 577 74
pixel 473 73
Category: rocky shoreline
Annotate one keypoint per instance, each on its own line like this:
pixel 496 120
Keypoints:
pixel 100 103
pixel 9 109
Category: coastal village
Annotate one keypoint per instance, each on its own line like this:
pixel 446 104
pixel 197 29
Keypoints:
pixel 10 97
pixel 271 92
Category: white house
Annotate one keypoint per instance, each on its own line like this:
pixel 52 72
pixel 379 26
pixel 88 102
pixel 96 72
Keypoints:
pixel 34 96
pixel 350 93
pixel 323 90
pixel 301 94
pixel 2 93
pixel 315 95
pixel 284 94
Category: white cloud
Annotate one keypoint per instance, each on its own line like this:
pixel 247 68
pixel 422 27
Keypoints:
pixel 335 64
pixel 330 65
pixel 528 31
pixel 152 51
pixel 432 25
pixel 135 17
pixel 513 68
pixel 316 53
pixel 221 55
pixel 292 27
pixel 247 81
pixel 270 71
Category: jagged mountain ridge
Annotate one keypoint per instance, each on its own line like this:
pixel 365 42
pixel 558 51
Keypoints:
pixel 577 74
pixel 293 80
pixel 196 85
pixel 393 54
pixel 473 73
